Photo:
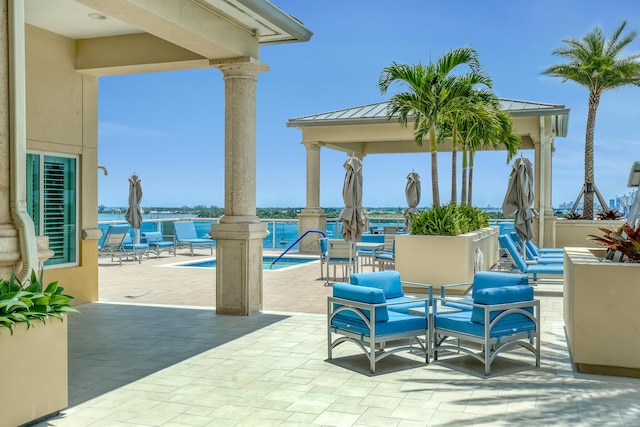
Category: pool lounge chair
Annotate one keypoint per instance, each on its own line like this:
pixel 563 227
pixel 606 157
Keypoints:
pixel 533 271
pixel 552 258
pixel 186 236
pixel 112 242
pixel 533 251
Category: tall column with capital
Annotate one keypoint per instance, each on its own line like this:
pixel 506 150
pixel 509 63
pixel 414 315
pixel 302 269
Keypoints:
pixel 239 233
pixel 312 216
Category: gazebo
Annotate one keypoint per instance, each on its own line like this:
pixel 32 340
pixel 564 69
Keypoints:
pixel 366 130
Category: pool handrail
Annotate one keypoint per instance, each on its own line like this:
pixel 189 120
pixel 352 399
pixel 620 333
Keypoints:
pixel 296 242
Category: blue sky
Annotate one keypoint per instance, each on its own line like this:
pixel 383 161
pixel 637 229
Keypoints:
pixel 169 127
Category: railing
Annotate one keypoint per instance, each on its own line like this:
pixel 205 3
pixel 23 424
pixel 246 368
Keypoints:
pixel 296 242
pixel 281 231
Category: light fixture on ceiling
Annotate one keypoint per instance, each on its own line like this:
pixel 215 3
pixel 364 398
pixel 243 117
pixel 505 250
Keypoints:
pixel 97 16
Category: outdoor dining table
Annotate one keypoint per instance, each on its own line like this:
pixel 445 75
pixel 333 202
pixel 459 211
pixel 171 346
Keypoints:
pixel 368 246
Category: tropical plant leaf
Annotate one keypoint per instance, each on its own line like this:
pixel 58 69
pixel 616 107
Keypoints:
pixel 51 287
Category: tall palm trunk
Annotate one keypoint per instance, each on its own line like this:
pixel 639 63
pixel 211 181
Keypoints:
pixel 465 171
pixel 435 187
pixel 594 101
pixel 470 194
pixel 454 165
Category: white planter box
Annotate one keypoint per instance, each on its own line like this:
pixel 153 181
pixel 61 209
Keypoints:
pixel 601 313
pixel 34 366
pixel 573 233
pixel 439 260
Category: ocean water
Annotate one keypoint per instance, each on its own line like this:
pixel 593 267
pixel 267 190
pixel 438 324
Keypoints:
pixel 281 233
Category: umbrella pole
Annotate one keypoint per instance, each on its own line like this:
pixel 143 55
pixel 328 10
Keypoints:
pixel 136 236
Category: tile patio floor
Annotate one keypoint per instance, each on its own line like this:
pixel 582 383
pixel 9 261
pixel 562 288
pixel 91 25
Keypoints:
pixel 137 359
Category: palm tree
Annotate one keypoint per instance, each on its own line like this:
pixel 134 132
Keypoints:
pixel 428 98
pixel 496 133
pixel 597 64
pixel 466 107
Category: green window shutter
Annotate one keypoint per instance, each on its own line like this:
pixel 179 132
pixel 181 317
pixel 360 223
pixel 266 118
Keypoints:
pixel 52 204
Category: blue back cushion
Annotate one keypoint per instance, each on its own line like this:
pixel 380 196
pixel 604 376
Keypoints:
pixel 372 238
pixel 185 230
pixel 503 295
pixel 507 243
pixel 362 294
pixel 496 279
pixel 388 281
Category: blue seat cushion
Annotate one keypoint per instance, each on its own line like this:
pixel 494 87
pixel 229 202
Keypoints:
pixel 546 269
pixel 363 294
pixel 388 281
pixel 496 279
pixel 397 323
pixel 548 260
pixel 461 322
pixel 504 295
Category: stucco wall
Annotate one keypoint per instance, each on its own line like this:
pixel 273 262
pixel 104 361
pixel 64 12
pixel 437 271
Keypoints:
pixel 62 110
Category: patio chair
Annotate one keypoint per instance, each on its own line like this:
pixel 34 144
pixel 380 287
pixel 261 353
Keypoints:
pixel 500 318
pixel 322 252
pixel 532 270
pixel 363 316
pixel 134 250
pixel 341 253
pixel 365 255
pixel 157 243
pixel 112 241
pixel 186 236
pixel 385 258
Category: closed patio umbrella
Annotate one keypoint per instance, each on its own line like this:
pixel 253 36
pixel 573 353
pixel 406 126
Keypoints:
pixel 412 191
pixel 520 197
pixel 354 220
pixel 134 212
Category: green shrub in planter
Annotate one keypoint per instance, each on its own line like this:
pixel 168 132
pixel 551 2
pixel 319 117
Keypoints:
pixel 24 303
pixel 448 220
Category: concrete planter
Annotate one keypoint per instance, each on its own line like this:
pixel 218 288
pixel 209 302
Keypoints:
pixel 573 233
pixel 34 371
pixel 601 313
pixel 438 260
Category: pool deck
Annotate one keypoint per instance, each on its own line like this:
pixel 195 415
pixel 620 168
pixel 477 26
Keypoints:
pixel 153 352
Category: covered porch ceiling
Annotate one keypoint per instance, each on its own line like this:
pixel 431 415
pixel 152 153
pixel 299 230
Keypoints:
pixel 367 130
pixel 136 36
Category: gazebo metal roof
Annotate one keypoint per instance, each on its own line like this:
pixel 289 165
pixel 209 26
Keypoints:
pixel 377 113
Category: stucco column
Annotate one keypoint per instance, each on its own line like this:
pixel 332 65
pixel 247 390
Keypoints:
pixel 312 216
pixel 544 225
pixel 239 234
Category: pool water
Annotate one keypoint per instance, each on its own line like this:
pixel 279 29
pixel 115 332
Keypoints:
pixel 283 262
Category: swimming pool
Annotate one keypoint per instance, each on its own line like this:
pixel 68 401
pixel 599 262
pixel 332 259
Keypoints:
pixel 282 263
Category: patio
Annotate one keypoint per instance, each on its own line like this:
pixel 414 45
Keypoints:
pixel 186 366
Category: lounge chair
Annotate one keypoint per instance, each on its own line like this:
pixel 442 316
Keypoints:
pixel 134 250
pixel 341 253
pixel 186 236
pixel 533 252
pixel 112 241
pixel 552 258
pixel 532 270
pixel 157 243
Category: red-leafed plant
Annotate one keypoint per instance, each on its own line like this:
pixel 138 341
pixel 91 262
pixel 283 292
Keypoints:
pixel 611 214
pixel 625 240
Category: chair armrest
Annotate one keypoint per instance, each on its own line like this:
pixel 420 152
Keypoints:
pixel 420 285
pixel 443 288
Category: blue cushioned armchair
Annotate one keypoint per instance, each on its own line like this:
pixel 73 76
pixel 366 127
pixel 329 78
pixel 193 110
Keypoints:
pixel 372 314
pixel 497 318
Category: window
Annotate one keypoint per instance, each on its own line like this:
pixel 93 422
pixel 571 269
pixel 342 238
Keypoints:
pixel 52 203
